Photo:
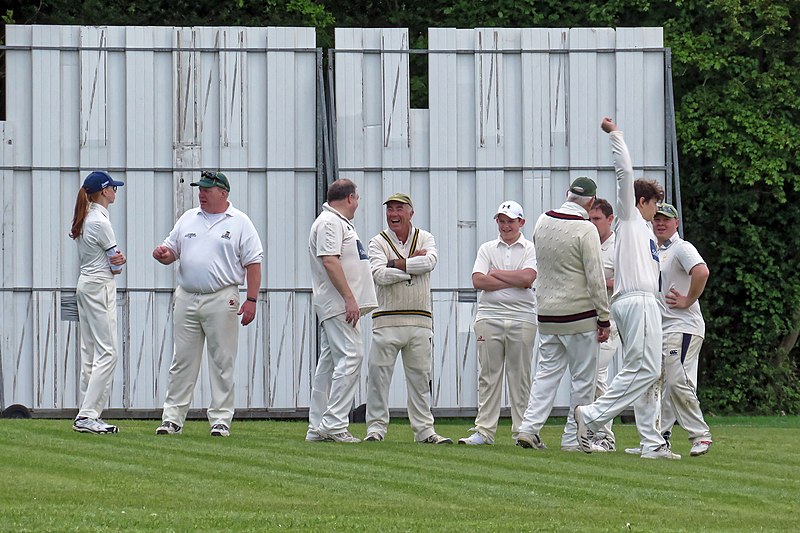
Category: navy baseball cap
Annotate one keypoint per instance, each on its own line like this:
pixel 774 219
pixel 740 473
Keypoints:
pixel 99 180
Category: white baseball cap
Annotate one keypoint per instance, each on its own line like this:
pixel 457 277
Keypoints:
pixel 511 209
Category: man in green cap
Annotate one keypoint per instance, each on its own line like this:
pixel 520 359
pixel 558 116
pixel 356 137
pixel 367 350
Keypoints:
pixel 217 249
pixel 683 278
pixel 402 258
pixel 573 311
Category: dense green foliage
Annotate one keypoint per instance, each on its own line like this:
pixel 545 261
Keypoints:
pixel 736 77
pixel 264 477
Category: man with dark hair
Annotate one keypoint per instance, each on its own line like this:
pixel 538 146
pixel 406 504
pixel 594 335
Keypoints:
pixel 635 310
pixel 342 293
pixel 602 216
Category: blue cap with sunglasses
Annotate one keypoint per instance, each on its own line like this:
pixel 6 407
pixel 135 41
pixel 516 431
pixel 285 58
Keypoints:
pixel 212 179
pixel 99 180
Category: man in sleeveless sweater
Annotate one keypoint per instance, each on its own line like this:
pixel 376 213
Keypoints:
pixel 402 258
pixel 573 311
pixel 635 310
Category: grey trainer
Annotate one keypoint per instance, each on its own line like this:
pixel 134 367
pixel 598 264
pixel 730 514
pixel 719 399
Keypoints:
pixel 529 440
pixel 437 439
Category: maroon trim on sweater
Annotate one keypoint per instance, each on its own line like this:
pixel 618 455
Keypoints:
pixel 565 319
pixel 564 216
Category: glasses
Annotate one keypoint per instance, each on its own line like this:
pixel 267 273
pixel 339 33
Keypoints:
pixel 214 177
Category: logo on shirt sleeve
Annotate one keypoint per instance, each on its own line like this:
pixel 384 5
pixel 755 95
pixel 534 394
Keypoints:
pixel 654 250
pixel 362 253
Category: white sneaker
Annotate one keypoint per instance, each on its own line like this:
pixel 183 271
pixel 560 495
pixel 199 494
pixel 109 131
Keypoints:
pixel 343 436
pixel 529 440
pixel 634 451
pixel 606 445
pixel 314 436
pixel 662 452
pixel 700 447
pixel 373 436
pixel 476 439
pixel 220 430
pixel 93 425
pixel 168 428
pixel 584 439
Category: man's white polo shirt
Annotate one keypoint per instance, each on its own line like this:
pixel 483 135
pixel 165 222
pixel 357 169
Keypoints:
pixel 514 303
pixel 213 251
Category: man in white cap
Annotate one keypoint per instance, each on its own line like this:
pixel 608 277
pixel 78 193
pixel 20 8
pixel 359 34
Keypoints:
pixel 505 323
pixel 402 258
pixel 573 311
pixel 683 278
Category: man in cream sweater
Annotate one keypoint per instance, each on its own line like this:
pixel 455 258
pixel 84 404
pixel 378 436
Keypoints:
pixel 573 311
pixel 402 258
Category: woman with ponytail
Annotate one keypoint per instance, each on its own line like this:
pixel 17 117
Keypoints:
pixel 96 294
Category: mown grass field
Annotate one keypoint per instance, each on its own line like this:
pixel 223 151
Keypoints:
pixel 266 478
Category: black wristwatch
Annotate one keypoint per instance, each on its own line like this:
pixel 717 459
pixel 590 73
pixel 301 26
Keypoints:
pixel 391 263
pixel 251 300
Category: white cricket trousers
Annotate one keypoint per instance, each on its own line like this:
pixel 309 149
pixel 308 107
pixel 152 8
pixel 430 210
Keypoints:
pixel 97 313
pixel 679 402
pixel 506 344
pixel 414 343
pixel 638 320
pixel 210 320
pixel 577 351
pixel 607 352
pixel 341 352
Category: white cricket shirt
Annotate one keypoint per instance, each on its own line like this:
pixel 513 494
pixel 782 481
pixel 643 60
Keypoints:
pixel 513 303
pixel 96 238
pixel 334 234
pixel 213 252
pixel 678 257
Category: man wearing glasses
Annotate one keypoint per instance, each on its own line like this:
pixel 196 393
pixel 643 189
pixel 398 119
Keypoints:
pixel 342 293
pixel 219 250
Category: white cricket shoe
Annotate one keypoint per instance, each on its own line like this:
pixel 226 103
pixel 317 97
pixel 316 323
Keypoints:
pixel 476 439
pixel 662 452
pixel 343 436
pixel 700 447
pixel 93 425
pixel 584 439
pixel 220 430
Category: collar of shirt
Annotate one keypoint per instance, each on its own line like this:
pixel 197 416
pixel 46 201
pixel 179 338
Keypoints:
pixel 669 242
pixel 571 208
pixel 395 238
pixel 227 211
pixel 97 207
pixel 521 241
pixel 326 206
